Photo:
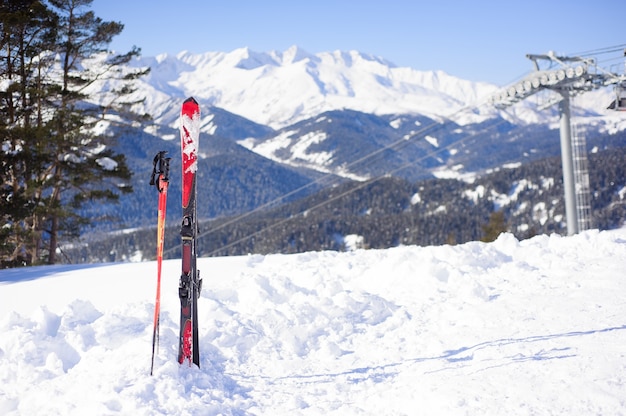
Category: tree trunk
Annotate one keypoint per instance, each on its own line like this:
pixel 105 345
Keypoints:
pixel 53 240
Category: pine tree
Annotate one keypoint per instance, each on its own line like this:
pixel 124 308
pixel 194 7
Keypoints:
pixel 57 163
pixel 28 30
pixel 496 226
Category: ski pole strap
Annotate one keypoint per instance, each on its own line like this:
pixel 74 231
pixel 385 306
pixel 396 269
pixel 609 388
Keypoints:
pixel 162 172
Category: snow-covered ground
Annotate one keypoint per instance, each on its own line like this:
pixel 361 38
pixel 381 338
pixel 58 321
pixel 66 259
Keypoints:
pixel 506 328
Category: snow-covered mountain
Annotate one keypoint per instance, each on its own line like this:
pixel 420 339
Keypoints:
pixel 277 89
pixel 280 88
pixel 346 114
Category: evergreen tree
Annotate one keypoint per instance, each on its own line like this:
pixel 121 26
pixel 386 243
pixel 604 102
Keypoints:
pixel 496 226
pixel 69 82
pixel 28 33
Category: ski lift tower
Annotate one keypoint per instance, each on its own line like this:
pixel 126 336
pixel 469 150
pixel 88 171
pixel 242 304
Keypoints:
pixel 571 76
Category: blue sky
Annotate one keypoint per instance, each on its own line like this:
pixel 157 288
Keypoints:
pixel 478 40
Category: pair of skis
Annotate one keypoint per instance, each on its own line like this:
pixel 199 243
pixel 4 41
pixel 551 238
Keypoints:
pixel 190 283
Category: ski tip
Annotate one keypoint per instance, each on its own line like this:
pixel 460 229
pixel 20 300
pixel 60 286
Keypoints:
pixel 190 100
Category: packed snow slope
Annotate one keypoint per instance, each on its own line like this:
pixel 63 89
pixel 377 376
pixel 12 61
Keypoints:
pixel 505 328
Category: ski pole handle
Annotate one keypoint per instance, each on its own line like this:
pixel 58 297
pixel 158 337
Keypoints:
pixel 160 174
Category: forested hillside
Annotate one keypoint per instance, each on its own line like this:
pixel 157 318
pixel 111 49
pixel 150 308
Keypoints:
pixel 389 211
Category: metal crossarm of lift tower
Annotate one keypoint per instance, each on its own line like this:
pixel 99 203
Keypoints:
pixel 573 76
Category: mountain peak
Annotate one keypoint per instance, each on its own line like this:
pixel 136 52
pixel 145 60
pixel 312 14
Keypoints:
pixel 294 54
pixel 245 58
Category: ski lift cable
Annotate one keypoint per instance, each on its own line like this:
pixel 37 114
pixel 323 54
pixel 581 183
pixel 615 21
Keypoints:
pixel 347 192
pixel 332 176
pixel 398 143
pixel 607 49
pixel 401 142
pixel 328 177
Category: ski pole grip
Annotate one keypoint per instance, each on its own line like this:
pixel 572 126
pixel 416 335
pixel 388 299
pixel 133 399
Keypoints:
pixel 160 174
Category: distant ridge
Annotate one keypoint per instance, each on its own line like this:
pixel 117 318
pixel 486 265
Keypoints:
pixel 280 88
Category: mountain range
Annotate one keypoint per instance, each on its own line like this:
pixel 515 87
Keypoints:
pixel 277 126
pixel 272 103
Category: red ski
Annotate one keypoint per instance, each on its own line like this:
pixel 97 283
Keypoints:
pixel 160 178
pixel 190 283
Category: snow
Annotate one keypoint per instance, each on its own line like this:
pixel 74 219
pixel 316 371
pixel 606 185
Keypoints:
pixel 510 327
pixel 107 163
pixel 353 242
pixel 299 146
pixel 541 213
pixel 454 172
pixel 432 140
pixel 278 89
pixel 476 194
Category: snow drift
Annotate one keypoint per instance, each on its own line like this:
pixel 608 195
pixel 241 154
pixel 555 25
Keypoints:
pixel 511 327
